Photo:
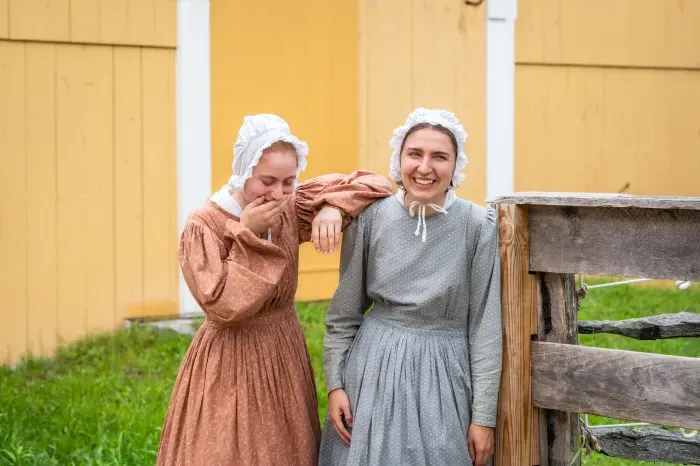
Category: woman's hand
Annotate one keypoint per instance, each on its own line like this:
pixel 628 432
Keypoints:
pixel 259 216
pixel 339 407
pixel 326 229
pixel 481 444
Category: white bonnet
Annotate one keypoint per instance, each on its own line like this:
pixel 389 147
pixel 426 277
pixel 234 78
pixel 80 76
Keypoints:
pixel 258 133
pixel 435 117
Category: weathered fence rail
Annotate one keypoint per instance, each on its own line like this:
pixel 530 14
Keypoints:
pixel 548 380
pixel 646 444
pixel 680 325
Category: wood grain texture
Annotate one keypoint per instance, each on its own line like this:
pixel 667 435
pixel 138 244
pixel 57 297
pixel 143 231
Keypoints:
pixel 559 308
pixel 148 23
pixel 647 444
pixel 72 128
pixel 39 19
pixel 529 302
pixel 624 144
pixel 4 19
pixel 620 384
pixel 128 182
pixel 159 208
pixel 517 431
pixel 84 21
pixel 625 33
pixel 543 415
pixel 42 304
pixel 682 324
pixel 543 424
pixel 97 147
pixel 630 242
pixel 14 285
pixel 529 296
pixel 72 109
pixel 558 304
pixel 599 200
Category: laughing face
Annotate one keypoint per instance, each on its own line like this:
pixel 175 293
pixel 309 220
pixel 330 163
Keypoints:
pixel 273 177
pixel 428 160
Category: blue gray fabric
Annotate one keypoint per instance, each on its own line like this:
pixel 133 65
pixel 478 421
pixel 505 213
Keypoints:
pixel 425 362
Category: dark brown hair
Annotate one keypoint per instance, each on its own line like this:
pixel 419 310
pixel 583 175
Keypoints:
pixel 440 128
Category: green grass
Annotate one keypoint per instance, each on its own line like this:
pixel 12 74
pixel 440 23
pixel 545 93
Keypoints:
pixel 102 401
pixel 625 302
pixel 312 317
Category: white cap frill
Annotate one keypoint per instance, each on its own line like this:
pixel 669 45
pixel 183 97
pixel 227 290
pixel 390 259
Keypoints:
pixel 258 133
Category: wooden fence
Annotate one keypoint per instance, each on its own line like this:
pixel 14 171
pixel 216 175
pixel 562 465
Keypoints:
pixel 548 380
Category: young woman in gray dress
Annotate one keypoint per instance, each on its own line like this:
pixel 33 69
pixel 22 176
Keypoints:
pixel 415 380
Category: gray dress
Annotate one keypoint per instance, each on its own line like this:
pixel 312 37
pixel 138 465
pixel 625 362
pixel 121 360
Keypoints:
pixel 425 362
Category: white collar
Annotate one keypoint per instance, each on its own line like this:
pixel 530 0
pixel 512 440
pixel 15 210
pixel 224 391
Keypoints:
pixel 225 200
pixel 417 208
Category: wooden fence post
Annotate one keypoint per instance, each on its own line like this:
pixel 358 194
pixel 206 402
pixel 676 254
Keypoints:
pixel 517 429
pixel 556 235
pixel 558 303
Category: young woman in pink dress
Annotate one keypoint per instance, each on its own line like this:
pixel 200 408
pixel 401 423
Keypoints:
pixel 245 393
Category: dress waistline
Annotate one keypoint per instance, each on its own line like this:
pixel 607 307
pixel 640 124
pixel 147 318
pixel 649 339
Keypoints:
pixel 260 319
pixel 436 326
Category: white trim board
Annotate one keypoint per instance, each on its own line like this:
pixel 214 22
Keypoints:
pixel 500 97
pixel 193 108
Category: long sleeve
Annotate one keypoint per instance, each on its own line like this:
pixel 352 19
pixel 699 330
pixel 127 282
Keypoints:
pixel 233 287
pixel 351 194
pixel 485 332
pixel 350 301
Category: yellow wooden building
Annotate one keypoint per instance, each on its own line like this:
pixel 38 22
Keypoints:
pixel 88 192
pixel 117 118
pixel 608 96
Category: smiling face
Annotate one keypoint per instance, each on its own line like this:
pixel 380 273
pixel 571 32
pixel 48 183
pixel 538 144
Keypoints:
pixel 274 175
pixel 428 159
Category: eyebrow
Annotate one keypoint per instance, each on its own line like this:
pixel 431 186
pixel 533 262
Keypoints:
pixel 273 178
pixel 418 149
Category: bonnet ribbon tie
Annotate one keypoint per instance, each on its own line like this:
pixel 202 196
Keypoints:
pixel 420 208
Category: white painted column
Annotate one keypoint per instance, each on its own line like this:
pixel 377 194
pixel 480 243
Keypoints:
pixel 500 97
pixel 193 103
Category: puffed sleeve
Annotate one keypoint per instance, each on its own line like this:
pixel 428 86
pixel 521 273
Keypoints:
pixel 349 304
pixel 485 332
pixel 351 194
pixel 229 285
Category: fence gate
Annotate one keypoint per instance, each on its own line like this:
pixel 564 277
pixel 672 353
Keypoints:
pixel 548 380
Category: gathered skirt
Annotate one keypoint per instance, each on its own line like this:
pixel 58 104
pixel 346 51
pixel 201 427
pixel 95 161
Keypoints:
pixel 244 395
pixel 410 397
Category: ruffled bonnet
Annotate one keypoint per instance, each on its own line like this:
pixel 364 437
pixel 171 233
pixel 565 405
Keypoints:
pixel 440 117
pixel 258 133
